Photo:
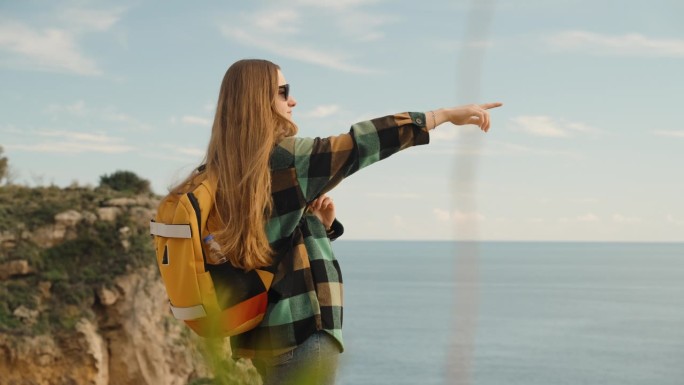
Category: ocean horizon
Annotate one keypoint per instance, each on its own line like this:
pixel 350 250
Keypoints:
pixel 513 312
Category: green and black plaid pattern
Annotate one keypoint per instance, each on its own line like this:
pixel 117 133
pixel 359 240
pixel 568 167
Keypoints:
pixel 307 292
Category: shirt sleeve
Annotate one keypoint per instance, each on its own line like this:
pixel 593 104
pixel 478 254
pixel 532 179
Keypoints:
pixel 322 163
pixel 336 230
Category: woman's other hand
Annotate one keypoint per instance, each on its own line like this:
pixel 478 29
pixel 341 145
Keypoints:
pixel 324 208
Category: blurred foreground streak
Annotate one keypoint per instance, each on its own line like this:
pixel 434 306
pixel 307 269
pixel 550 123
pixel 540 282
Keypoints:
pixel 465 308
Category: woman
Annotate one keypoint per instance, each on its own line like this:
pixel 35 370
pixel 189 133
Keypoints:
pixel 268 183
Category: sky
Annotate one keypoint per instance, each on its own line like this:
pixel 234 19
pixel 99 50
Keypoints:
pixel 588 146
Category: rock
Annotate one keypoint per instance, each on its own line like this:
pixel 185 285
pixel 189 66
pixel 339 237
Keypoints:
pixel 150 345
pixel 125 232
pixel 6 236
pixel 58 233
pixel 27 315
pixel 44 289
pixel 107 296
pixel 45 359
pixel 142 216
pixel 48 236
pixel 89 217
pixel 132 341
pixel 121 202
pixel 108 214
pixel 97 349
pixel 79 358
pixel 148 202
pixel 124 235
pixel 68 218
pixel 14 268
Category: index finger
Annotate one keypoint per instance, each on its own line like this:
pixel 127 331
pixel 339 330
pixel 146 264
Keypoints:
pixel 487 106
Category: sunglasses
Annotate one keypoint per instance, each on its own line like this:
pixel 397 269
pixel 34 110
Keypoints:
pixel 284 90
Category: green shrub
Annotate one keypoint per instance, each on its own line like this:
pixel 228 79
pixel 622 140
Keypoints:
pixel 125 181
pixel 23 249
pixel 8 322
pixel 20 293
pixel 28 208
pixel 12 295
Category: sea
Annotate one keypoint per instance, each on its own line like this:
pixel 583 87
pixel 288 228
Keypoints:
pixel 493 313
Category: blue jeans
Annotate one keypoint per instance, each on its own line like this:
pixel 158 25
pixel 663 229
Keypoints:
pixel 312 363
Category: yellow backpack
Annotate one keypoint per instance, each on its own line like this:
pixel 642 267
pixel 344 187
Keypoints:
pixel 214 299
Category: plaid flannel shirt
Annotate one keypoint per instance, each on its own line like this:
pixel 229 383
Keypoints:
pixel 306 295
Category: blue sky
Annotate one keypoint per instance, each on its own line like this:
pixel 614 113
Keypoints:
pixel 588 146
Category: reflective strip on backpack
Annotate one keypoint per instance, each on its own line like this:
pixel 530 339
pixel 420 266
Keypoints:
pixel 170 231
pixel 188 313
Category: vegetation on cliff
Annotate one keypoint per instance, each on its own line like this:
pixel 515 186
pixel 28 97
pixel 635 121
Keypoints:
pixel 68 263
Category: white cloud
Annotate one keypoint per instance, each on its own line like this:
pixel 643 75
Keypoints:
pixel 322 111
pixel 504 148
pixel 398 221
pixel 670 133
pixel 176 153
pixel 54 45
pixel 363 26
pixel 631 44
pixel 458 216
pixel 47 49
pixel 581 127
pixel 586 218
pixel 72 142
pixel 291 50
pixel 480 44
pixel 456 46
pixel 545 126
pixel 274 28
pixel 619 218
pixel 539 126
pixel 283 21
pixel 195 120
pixel 675 221
pixel 393 195
pixel 446 144
pixel 91 19
pixel 336 5
pixel 80 110
pixel 72 148
pixel 185 150
pixel 78 136
pixel 442 215
pixel 446 132
pixel 586 200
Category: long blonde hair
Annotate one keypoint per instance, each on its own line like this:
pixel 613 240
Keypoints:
pixel 246 128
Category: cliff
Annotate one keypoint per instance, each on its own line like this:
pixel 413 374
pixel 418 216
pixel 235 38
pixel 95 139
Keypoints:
pixel 81 301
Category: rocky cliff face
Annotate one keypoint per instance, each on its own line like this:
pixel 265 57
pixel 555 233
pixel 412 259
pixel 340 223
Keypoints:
pixel 119 332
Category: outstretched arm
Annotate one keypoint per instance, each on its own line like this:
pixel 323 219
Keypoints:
pixel 321 163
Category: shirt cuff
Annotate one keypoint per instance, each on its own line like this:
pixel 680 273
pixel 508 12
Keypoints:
pixel 336 230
